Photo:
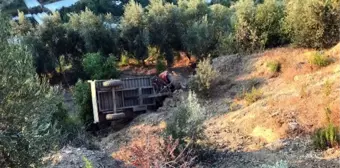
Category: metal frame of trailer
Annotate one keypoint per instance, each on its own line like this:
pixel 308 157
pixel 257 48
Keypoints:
pixel 117 99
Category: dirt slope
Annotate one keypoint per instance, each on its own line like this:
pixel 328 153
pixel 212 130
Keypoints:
pixel 283 111
pixel 274 128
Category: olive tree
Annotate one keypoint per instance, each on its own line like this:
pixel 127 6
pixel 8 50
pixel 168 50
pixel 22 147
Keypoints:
pixel 198 38
pixel 133 31
pixel 161 24
pixel 313 23
pixel 97 36
pixel 27 108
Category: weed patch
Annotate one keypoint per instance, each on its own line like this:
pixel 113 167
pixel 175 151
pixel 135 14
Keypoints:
pixel 124 60
pixel 274 66
pixel 319 60
pixel 327 137
pixel 253 96
pixel 327 88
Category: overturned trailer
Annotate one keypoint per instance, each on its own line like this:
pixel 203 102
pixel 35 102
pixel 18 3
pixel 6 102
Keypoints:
pixel 122 98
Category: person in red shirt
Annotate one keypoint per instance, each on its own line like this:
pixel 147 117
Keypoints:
pixel 164 76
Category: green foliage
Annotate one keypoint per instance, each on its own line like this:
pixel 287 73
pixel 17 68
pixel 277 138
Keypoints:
pixel 82 94
pixel 258 26
pixel 88 164
pixel 245 30
pixel 160 17
pixel 27 107
pixel 198 38
pixel 186 123
pixel 274 66
pixel 268 21
pixel 22 27
pixel 204 77
pixel 154 53
pixel 319 59
pixel 72 130
pixel 124 60
pixel 52 46
pixel 222 39
pixel 134 32
pixel 98 67
pixel 160 66
pixel 253 96
pixel 327 137
pixel 279 164
pixel 192 10
pixel 96 36
pixel 193 26
pixel 233 106
pixel 313 23
pixel 63 65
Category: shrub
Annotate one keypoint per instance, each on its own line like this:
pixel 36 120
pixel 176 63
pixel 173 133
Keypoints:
pixel 98 67
pixel 268 23
pixel 245 30
pixel 110 68
pixel 258 25
pixel 156 152
pixel 274 66
pixel 88 164
pixel 27 107
pixel 204 77
pixel 153 54
pixel 124 60
pixel 253 95
pixel 187 120
pixel 233 106
pixel 82 94
pixel 72 131
pixel 313 23
pixel 327 137
pixel 160 66
pixel 319 59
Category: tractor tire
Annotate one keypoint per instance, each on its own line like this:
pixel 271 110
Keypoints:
pixel 112 83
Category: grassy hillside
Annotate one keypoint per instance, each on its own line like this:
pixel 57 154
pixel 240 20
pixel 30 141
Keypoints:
pixel 289 109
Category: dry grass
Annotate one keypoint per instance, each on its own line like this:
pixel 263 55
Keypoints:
pixel 155 151
pixel 252 127
pixel 283 102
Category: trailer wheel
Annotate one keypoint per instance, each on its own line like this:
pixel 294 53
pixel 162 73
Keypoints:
pixel 112 83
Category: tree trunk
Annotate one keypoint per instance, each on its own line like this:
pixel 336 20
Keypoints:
pixel 62 73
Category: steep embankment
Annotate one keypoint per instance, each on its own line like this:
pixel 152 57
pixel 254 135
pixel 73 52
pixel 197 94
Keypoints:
pixel 275 127
pixel 293 101
pixel 292 105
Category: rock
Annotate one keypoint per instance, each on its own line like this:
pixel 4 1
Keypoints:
pixel 293 126
pixel 276 145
